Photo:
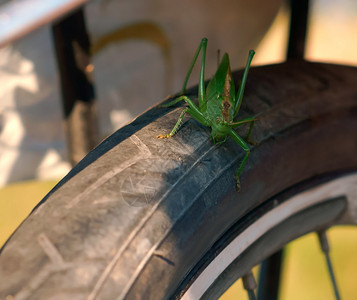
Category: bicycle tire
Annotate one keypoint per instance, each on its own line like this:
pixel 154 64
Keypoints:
pixel 141 218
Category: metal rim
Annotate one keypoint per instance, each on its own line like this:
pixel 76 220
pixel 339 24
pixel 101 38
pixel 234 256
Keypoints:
pixel 341 187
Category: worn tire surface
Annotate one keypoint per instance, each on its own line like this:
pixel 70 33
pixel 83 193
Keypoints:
pixel 137 213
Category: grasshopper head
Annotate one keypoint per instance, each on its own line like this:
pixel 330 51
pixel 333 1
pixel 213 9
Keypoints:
pixel 220 130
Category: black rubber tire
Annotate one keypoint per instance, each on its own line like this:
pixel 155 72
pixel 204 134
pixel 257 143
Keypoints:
pixel 139 216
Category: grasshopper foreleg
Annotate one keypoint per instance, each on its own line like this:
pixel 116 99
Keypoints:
pixel 250 132
pixel 250 120
pixel 192 110
pixel 173 102
pixel 245 147
pixel 176 127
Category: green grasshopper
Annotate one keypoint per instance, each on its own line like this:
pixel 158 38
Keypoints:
pixel 218 104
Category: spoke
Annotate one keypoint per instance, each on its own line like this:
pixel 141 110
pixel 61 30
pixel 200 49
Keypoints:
pixel 269 277
pixel 325 247
pixel 250 285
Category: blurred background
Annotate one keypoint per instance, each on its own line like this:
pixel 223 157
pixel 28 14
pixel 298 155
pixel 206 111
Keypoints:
pixel 141 52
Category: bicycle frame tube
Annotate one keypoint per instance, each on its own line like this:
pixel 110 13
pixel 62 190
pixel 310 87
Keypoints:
pixel 19 17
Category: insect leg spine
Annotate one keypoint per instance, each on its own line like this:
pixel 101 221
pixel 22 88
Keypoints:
pixel 179 124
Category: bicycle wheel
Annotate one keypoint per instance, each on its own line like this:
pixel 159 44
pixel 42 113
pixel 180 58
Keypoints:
pixel 145 218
